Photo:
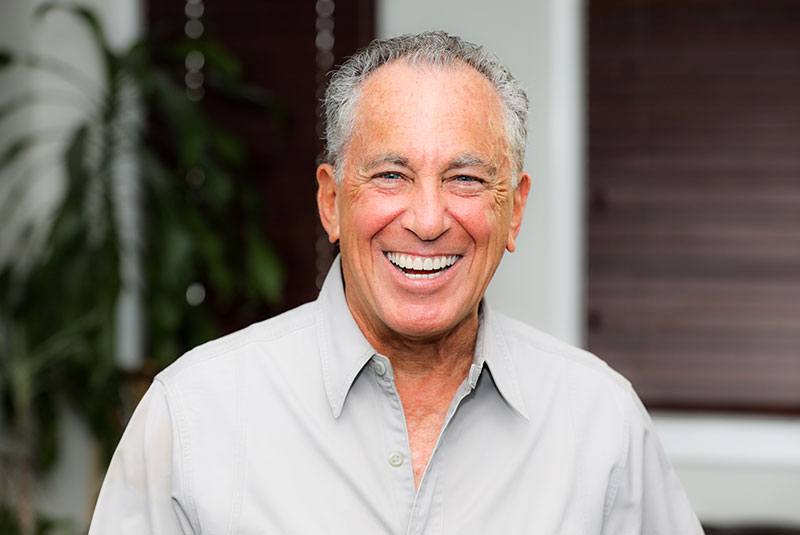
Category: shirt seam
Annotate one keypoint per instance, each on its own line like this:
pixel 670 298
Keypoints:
pixel 559 350
pixel 322 341
pixel 573 430
pixel 238 480
pixel 201 358
pixel 184 447
pixel 602 369
pixel 613 486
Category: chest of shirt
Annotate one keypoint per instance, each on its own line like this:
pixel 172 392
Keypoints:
pixel 279 462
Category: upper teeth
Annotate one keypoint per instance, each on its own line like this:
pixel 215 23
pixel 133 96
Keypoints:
pixel 421 263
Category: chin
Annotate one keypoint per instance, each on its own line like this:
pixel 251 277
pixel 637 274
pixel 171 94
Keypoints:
pixel 425 323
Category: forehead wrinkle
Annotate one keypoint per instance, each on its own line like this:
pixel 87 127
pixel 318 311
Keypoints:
pixel 383 103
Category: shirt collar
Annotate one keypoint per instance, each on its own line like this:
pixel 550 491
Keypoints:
pixel 344 350
pixel 491 349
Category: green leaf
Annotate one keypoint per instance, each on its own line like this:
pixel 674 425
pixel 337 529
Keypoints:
pixel 10 204
pixel 92 22
pixel 84 14
pixel 177 262
pixel 46 448
pixel 166 314
pixel 247 95
pixel 212 251
pixel 6 59
pixel 219 190
pixel 19 102
pixel 154 173
pixel 78 172
pixel 217 58
pixel 264 269
pixel 57 67
pixel 14 104
pixel 230 148
pixel 203 328
pixel 135 63
pixel 15 149
pixel 188 131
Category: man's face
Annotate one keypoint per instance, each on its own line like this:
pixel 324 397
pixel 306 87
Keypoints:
pixel 425 209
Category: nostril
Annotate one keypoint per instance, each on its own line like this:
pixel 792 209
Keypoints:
pixel 426 213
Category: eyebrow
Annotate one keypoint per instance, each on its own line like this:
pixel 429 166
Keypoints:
pixel 460 161
pixel 389 157
pixel 468 159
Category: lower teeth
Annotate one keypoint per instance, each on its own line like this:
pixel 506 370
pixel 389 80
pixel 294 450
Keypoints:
pixel 423 275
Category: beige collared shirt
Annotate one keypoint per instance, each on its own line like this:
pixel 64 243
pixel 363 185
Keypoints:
pixel 293 426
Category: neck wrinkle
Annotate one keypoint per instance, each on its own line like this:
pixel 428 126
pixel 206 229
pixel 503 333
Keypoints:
pixel 445 354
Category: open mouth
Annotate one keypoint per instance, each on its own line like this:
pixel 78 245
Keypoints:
pixel 422 267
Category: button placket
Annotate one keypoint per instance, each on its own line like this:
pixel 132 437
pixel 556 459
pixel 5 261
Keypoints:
pixel 397 454
pixel 426 515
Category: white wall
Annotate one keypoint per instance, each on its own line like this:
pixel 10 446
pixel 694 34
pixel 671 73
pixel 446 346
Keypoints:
pixel 735 469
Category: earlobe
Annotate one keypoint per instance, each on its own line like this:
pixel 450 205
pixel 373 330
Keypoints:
pixel 520 197
pixel 326 201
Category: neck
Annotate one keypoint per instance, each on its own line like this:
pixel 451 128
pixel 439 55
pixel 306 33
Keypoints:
pixel 427 374
pixel 429 360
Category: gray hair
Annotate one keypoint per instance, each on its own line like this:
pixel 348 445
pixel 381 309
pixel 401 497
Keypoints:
pixel 437 49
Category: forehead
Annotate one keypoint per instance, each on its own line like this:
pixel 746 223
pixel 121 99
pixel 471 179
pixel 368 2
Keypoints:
pixel 428 107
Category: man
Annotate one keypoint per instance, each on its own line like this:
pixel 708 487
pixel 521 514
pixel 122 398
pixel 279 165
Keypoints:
pixel 399 402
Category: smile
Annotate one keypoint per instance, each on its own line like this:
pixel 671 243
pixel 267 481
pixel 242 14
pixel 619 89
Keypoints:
pixel 421 267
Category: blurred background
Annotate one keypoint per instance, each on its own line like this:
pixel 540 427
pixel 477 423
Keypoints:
pixel 157 190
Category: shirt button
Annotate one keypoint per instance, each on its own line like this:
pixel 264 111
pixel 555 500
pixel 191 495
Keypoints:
pixel 396 459
pixel 380 368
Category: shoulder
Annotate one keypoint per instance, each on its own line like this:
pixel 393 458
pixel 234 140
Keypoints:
pixel 551 370
pixel 215 386
pixel 529 343
pixel 565 385
pixel 263 340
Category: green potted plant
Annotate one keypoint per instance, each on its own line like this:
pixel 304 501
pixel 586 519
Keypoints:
pixel 199 242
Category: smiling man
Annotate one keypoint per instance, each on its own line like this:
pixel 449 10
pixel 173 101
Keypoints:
pixel 399 402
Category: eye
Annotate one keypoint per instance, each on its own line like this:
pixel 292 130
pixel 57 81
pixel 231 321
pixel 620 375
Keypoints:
pixel 389 175
pixel 465 184
pixel 467 181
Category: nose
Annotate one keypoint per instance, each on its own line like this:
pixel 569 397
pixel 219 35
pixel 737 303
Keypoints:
pixel 426 214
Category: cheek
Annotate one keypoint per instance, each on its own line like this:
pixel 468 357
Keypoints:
pixel 483 223
pixel 371 214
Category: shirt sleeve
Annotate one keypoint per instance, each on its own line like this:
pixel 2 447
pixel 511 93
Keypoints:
pixel 645 495
pixel 140 491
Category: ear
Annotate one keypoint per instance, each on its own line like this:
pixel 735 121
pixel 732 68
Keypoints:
pixel 520 197
pixel 326 201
